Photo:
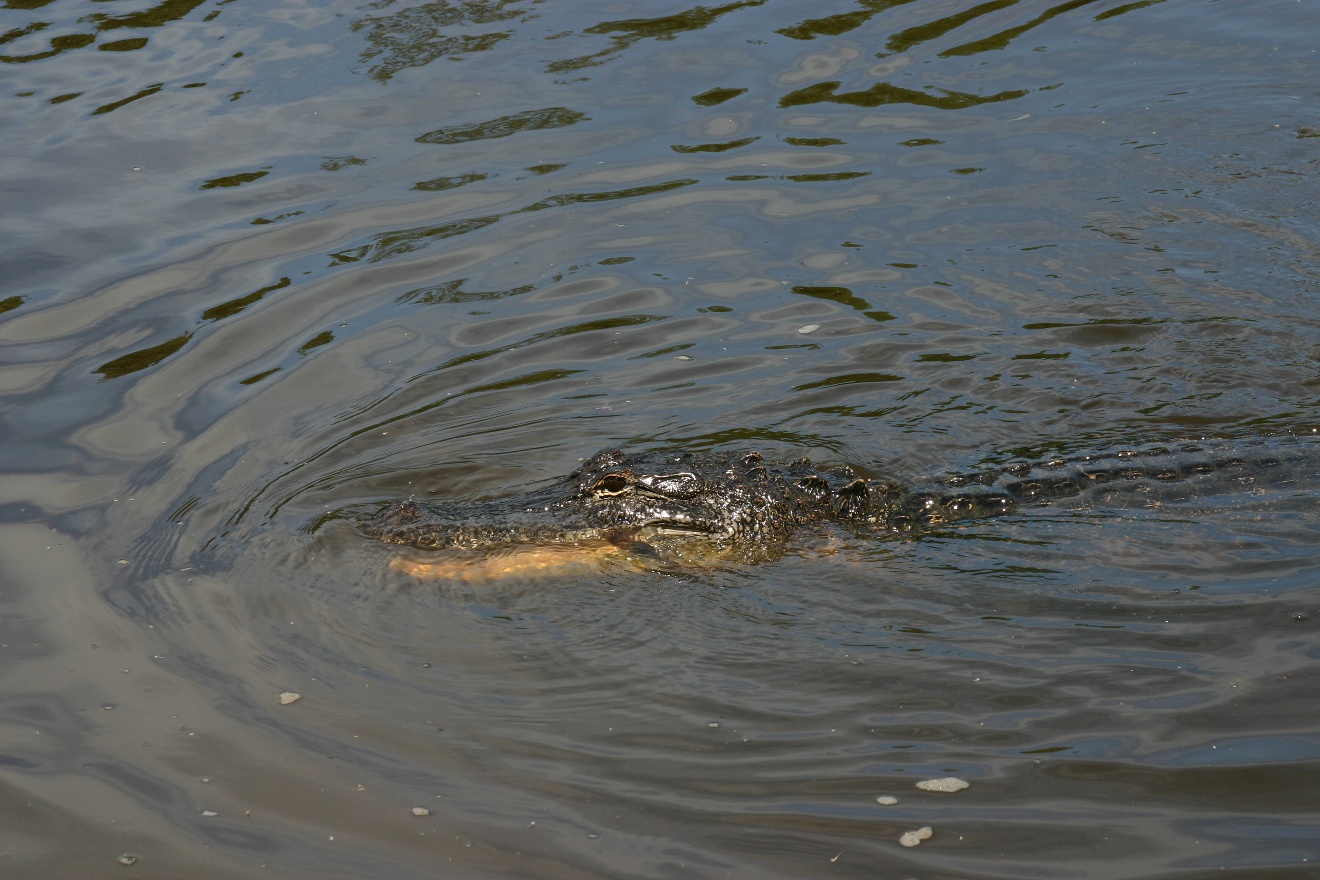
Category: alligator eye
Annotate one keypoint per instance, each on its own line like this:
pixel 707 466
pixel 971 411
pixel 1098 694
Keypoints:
pixel 611 484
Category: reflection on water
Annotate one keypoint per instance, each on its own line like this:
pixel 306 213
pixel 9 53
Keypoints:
pixel 268 262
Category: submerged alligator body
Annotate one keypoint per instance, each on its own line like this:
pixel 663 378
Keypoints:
pixel 747 507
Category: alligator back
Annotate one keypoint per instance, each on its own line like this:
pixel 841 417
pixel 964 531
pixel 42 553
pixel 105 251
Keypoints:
pixel 1144 474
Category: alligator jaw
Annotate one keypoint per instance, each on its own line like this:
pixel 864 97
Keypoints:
pixel 465 527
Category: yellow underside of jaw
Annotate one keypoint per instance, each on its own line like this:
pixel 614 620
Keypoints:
pixel 512 561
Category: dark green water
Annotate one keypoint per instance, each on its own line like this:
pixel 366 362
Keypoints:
pixel 266 260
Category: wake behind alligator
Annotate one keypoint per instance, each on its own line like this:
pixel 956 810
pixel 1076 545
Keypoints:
pixel 746 507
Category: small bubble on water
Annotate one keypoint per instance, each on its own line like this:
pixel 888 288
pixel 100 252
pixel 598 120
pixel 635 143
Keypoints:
pixel 420 811
pixel 127 859
pixel 887 800
pixel 808 328
pixel 912 838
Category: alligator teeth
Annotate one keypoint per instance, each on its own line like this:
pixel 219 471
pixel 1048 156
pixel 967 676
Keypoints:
pixel 677 528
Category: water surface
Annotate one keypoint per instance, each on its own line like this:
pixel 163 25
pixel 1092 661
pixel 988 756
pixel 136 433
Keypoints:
pixel 267 261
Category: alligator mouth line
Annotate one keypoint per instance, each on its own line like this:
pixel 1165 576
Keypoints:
pixel 569 550
pixel 678 529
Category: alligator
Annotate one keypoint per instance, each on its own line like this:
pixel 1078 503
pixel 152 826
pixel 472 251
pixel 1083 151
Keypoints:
pixel 746 507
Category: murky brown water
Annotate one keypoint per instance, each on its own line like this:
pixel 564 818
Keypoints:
pixel 269 260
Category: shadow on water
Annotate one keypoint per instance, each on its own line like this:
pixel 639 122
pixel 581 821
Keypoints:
pixel 268 264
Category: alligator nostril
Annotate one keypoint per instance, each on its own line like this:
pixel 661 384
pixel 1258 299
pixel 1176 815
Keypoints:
pixel 409 511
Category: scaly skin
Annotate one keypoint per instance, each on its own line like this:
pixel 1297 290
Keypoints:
pixel 747 507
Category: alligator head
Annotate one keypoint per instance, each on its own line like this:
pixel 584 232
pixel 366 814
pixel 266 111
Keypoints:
pixel 657 499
